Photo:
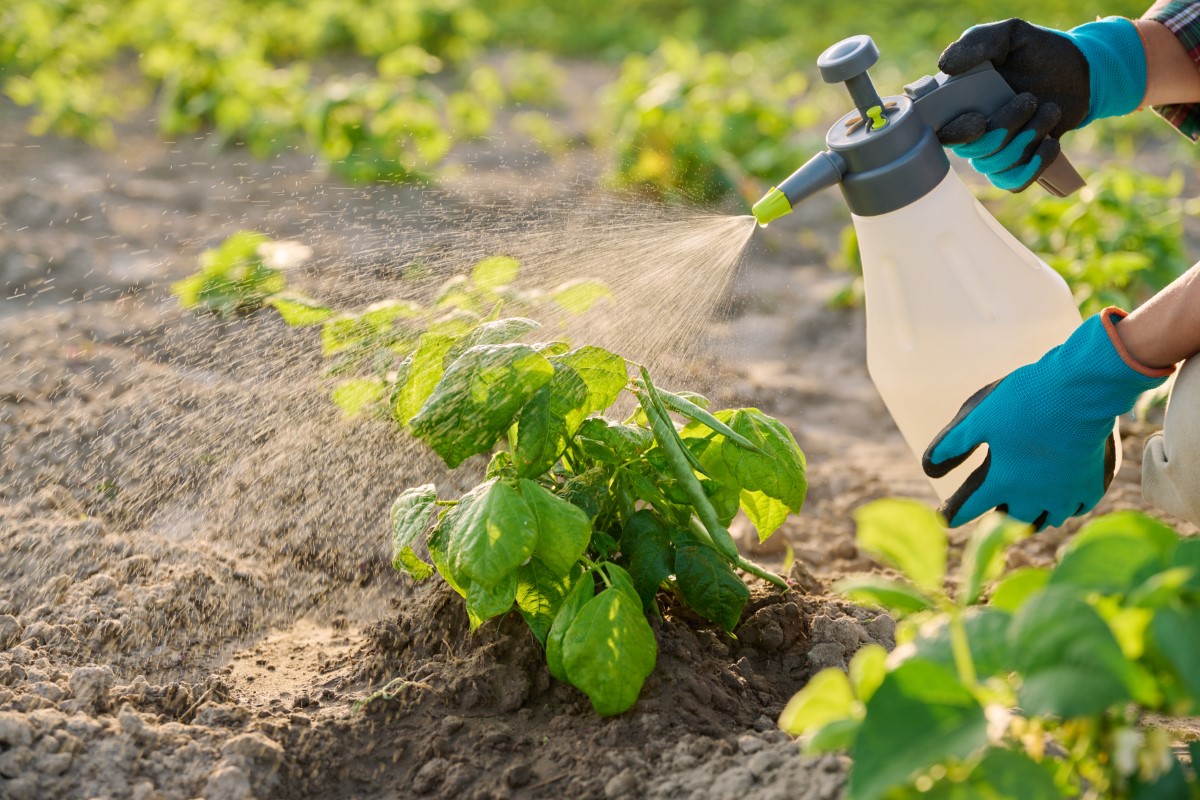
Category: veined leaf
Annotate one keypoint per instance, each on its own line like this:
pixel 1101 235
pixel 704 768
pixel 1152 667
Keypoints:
pixel 474 403
pixel 410 514
pixel 765 513
pixel 609 650
pixel 483 604
pixel 604 373
pixel 541 593
pixel 709 584
pixel 490 534
pixel 424 372
pixel 563 530
pixel 583 591
pixel 646 542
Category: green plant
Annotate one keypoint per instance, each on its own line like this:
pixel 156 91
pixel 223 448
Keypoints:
pixel 1041 692
pixel 241 274
pixel 570 498
pixel 694 125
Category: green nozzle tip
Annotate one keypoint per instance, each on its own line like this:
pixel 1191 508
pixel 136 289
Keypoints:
pixel 773 205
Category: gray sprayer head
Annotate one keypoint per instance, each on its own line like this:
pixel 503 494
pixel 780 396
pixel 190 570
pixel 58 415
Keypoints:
pixel 885 154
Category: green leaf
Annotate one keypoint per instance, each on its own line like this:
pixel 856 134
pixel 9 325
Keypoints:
pixel 836 736
pixel 646 542
pixel 1114 562
pixel 1187 555
pixel 609 651
pixel 894 596
pixel 709 585
pixel 548 421
pixel 355 395
pixel 409 515
pixel 1176 634
pixel 1069 659
pixel 423 375
pixel 588 491
pixel 342 332
pixel 612 442
pixel 826 698
pixel 581 592
pixel 984 557
pixel 1008 775
pixel 1161 588
pixel 492 273
pixel 1018 586
pixel 490 534
pixel 475 401
pixel 907 535
pixel 563 530
pixel 499 331
pixel 438 554
pixel 541 593
pixel 579 295
pixel 604 373
pixel 1129 523
pixel 382 315
pixel 483 604
pixel 779 473
pixel 299 310
pixel 868 668
pixel 919 716
pixel 765 513
pixel 987 631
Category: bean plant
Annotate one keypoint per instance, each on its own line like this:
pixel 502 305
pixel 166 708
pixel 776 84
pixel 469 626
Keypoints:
pixel 580 519
pixel 1028 683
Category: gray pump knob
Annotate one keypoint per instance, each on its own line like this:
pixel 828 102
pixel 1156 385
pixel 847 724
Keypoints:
pixel 847 58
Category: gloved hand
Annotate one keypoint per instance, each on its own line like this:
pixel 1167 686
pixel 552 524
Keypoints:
pixel 1048 427
pixel 1063 81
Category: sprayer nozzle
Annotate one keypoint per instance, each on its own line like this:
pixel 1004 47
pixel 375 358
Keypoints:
pixel 773 205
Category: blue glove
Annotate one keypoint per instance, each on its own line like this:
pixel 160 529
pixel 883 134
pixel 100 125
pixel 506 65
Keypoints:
pixel 1063 81
pixel 1049 430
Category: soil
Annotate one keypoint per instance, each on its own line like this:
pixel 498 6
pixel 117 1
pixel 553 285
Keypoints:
pixel 196 598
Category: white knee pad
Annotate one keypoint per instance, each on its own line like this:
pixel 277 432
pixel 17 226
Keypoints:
pixel 1171 461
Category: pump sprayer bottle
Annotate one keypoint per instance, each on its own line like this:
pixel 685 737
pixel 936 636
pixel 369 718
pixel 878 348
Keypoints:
pixel 953 300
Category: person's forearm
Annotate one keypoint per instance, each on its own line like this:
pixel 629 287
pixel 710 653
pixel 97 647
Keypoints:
pixel 1166 329
pixel 1171 74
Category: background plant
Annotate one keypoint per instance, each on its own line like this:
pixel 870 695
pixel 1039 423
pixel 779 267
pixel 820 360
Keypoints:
pixel 1038 693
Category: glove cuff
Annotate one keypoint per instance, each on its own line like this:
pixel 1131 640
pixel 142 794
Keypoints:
pixel 1116 61
pixel 1110 317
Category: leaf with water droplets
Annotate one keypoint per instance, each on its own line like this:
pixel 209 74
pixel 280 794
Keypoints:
pixel 474 403
pixel 578 296
pixel 410 514
pixel 355 395
pixel 422 376
pixel 492 273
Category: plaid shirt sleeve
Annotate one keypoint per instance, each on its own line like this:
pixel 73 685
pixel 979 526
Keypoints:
pixel 1183 20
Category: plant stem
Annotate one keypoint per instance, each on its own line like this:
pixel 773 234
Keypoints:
pixel 664 432
pixel 961 648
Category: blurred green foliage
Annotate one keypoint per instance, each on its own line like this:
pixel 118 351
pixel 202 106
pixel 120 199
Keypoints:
pixel 384 88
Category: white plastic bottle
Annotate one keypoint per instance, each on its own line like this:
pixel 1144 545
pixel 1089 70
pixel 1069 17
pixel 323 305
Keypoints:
pixel 951 310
